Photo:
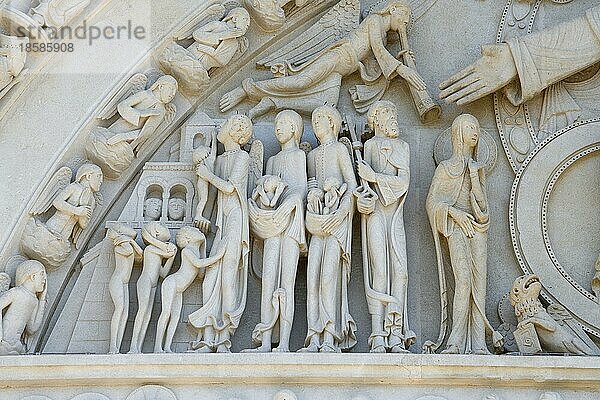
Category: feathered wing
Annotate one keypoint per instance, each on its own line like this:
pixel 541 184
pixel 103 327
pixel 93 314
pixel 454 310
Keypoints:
pixel 212 11
pixel 562 316
pixel 135 84
pixel 59 181
pixel 333 26
pixel 418 7
pixel 4 282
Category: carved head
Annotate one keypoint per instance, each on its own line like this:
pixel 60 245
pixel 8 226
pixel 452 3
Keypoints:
pixel 326 122
pixel 152 208
pixel 166 86
pixel 237 128
pixel 240 18
pixel 157 231
pixel 31 273
pixel 90 173
pixel 120 229
pixel 399 10
pixel 288 126
pixel 189 234
pixel 465 133
pixel 176 209
pixel 525 287
pixel 382 119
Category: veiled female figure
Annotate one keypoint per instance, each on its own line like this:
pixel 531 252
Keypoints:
pixel 282 230
pixel 457 206
pixel 224 285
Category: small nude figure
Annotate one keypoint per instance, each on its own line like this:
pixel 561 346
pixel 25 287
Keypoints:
pixel 22 307
pixel 126 252
pixel 152 209
pixel 268 191
pixel 176 209
pixel 192 243
pixel 158 259
pixel 333 192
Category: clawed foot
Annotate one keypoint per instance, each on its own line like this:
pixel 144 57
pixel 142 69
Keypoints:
pixel 232 99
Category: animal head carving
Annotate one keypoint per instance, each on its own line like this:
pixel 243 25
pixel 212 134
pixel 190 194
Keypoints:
pixel 525 287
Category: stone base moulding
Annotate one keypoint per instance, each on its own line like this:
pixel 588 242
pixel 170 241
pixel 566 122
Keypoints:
pixel 189 373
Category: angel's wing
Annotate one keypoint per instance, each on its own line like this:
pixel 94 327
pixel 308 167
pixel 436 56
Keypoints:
pixel 334 25
pixel 256 152
pixel 243 46
pixel 212 11
pixel 59 181
pixel 418 7
pixel 133 85
pixel 170 113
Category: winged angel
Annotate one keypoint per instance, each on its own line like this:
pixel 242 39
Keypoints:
pixel 215 45
pixel 311 67
pixel 143 106
pixel 70 205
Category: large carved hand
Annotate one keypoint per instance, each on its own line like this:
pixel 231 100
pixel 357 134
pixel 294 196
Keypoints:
pixel 491 72
pixel 411 76
pixel 464 220
pixel 84 211
pixel 148 112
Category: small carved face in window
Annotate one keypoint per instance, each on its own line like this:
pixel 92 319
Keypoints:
pixel 152 209
pixel 176 209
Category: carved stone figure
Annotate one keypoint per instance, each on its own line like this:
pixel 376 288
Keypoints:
pixel 330 325
pixel 596 280
pixel 457 206
pixel 57 13
pixel 159 255
pixel 192 243
pixel 318 77
pixel 386 167
pixel 73 203
pixel 152 209
pixel 278 220
pixel 126 252
pixel 268 191
pixel 553 330
pixel 22 307
pixel 12 61
pixel 176 209
pixel 269 14
pixel 225 284
pixel 525 66
pixel 142 112
pixel 215 44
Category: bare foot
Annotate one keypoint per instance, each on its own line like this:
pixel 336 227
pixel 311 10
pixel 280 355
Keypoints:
pixel 223 349
pixel 452 349
pixel 329 348
pixel 232 99
pixel 281 349
pixel 261 349
pixel 311 348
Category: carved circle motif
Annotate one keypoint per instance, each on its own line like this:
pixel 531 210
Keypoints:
pixel 152 392
pixel 488 150
pixel 528 218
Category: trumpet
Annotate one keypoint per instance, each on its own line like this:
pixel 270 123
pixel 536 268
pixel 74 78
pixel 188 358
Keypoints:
pixel 428 110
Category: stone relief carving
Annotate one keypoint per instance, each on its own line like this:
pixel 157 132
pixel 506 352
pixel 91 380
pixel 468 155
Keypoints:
pixel 152 392
pixel 214 46
pixel 68 208
pixel 276 212
pixel 386 166
pixel 126 252
pixel 225 284
pixel 596 280
pixel 12 61
pixel 550 330
pixel 270 15
pixel 192 243
pixel 307 76
pixel 205 154
pixel 57 13
pixel 22 307
pixel 143 106
pixel 457 206
pixel 159 255
pixel 518 68
pixel 331 328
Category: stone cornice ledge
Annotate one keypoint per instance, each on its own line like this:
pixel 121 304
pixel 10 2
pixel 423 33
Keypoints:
pixel 205 369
